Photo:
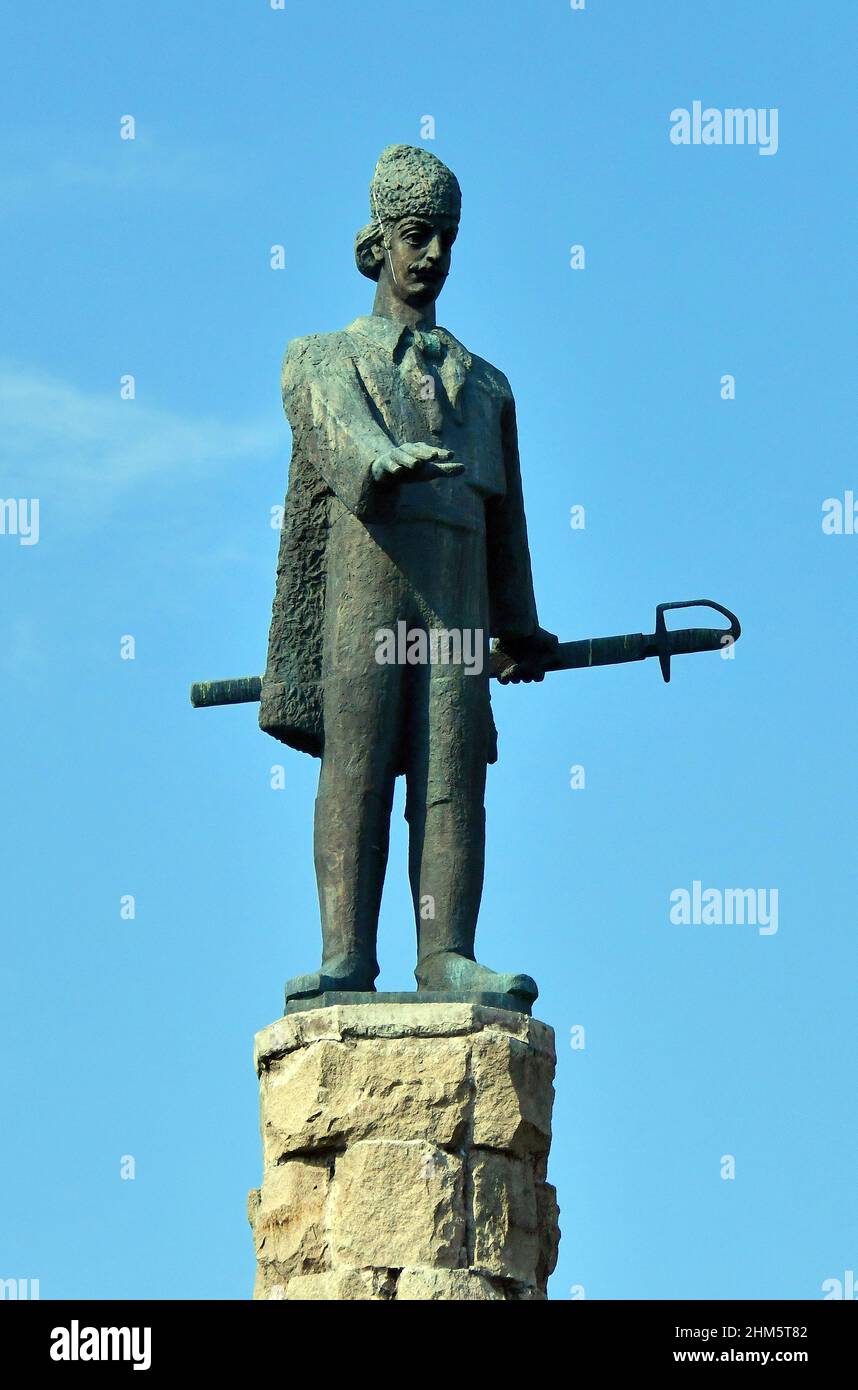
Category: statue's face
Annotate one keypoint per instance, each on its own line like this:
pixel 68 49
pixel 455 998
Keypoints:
pixel 420 251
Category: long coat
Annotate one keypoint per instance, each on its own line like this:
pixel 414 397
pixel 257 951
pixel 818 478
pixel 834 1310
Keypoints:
pixel 348 399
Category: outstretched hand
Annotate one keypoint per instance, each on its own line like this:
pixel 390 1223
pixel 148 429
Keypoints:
pixel 415 463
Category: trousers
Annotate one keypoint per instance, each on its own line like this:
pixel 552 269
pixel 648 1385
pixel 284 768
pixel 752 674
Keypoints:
pixel 430 721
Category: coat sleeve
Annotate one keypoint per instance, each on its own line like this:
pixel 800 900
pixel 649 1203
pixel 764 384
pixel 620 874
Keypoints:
pixel 511 597
pixel 327 406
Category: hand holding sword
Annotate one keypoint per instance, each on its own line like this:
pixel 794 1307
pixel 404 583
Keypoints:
pixel 528 659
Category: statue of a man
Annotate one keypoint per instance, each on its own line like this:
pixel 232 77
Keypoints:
pixel 403 516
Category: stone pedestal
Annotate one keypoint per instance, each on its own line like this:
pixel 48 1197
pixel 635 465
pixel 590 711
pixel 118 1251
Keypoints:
pixel 405 1149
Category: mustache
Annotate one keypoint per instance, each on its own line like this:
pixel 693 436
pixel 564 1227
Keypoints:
pixel 421 268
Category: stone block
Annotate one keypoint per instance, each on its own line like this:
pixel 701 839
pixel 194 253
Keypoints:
pixel 329 1094
pixel 504 1216
pixel 513 1096
pixel 288 1215
pixel 452 1285
pixel 547 1220
pixel 342 1285
pixel 396 1203
pixel 342 1023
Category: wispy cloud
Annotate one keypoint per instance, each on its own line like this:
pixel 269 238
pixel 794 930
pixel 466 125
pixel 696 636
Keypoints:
pixel 35 165
pixel 76 446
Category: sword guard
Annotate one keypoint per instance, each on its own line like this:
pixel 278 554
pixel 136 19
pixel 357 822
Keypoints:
pixel 665 642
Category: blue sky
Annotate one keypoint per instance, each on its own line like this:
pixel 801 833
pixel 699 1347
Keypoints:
pixel 255 128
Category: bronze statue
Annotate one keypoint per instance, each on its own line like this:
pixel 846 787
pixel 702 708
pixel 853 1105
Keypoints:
pixel 403 551
pixel 404 505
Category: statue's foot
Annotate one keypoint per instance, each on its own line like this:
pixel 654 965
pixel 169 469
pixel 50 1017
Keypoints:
pixel 341 975
pixel 449 971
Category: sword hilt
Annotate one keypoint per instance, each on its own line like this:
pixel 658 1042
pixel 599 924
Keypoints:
pixel 691 639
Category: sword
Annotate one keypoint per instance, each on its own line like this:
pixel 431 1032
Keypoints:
pixel 567 656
